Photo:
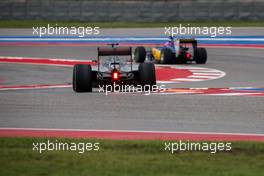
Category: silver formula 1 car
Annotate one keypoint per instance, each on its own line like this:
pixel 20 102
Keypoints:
pixel 113 65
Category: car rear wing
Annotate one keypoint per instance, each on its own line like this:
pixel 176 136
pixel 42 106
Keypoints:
pixel 114 51
pixel 189 41
pixel 119 51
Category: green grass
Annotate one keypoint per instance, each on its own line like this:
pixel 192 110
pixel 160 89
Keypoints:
pixel 35 23
pixel 123 158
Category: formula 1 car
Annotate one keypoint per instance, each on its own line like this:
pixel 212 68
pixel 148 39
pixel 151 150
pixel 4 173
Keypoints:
pixel 114 65
pixel 174 51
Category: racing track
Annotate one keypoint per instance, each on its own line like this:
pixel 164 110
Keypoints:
pixel 62 109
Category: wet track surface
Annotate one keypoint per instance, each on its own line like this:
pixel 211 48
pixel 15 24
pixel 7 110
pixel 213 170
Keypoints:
pixel 62 108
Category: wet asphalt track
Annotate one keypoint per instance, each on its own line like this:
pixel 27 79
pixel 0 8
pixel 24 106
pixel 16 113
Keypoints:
pixel 62 108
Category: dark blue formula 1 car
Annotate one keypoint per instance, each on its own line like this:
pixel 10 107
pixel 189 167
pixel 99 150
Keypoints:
pixel 174 51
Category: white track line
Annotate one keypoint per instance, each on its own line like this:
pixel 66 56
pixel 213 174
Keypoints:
pixel 132 131
pixel 189 79
pixel 35 87
pixel 207 74
pixel 202 76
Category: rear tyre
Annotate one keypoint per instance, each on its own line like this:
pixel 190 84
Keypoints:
pixel 200 56
pixel 166 56
pixel 82 78
pixel 147 75
pixel 140 54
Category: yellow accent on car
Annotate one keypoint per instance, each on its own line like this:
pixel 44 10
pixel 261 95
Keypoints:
pixel 156 54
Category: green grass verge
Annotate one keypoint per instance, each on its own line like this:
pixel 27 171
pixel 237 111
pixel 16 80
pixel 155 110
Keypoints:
pixel 35 23
pixel 137 158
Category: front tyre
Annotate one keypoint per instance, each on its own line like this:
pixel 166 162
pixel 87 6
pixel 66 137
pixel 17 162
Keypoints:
pixel 200 56
pixel 140 54
pixel 82 78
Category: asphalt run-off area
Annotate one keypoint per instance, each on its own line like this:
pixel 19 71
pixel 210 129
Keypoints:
pixel 220 100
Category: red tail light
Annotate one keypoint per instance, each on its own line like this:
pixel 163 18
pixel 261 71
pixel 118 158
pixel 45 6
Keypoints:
pixel 115 75
pixel 188 56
